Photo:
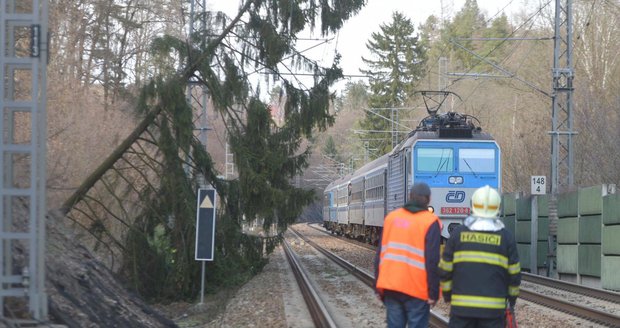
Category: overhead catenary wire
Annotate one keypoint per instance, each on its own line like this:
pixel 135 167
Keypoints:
pixel 430 68
pixel 444 49
pixel 528 20
pixel 506 38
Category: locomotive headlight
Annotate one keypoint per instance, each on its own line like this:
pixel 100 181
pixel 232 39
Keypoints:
pixel 431 209
pixel 455 180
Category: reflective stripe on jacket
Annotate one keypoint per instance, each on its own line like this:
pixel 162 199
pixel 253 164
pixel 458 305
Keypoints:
pixel 402 265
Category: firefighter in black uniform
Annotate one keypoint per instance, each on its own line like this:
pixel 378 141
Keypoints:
pixel 480 270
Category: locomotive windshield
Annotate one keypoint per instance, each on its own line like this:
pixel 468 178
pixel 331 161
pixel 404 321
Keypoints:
pixel 435 160
pixel 441 160
pixel 476 160
pixel 454 169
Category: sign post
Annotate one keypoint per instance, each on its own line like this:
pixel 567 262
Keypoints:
pixel 538 187
pixel 205 231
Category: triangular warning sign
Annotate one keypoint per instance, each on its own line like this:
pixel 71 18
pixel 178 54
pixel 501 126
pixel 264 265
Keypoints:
pixel 206 203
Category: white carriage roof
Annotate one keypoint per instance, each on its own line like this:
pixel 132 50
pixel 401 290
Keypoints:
pixel 368 167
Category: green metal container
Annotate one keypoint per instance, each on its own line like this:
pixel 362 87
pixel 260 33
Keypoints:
pixel 543 205
pixel 524 234
pixel 568 258
pixel 568 230
pixel 590 260
pixel 610 267
pixel 541 254
pixel 510 223
pixel 543 250
pixel 590 229
pixel 543 228
pixel 611 209
pixel 524 255
pixel 509 204
pixel 611 240
pixel 524 209
pixel 567 204
pixel 591 199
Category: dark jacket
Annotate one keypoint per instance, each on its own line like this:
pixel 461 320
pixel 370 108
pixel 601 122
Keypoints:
pixel 480 271
pixel 431 254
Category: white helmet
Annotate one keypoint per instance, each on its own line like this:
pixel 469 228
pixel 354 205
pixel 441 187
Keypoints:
pixel 485 202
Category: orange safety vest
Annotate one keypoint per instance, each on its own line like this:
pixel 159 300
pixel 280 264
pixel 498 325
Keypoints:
pixel 402 263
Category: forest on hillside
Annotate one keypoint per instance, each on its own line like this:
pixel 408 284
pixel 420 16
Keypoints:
pixel 505 83
pixel 124 159
pixel 102 49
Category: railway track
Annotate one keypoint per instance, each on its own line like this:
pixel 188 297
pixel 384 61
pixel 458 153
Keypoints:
pixel 354 242
pixel 573 288
pixel 436 320
pixel 559 304
pixel 589 314
pixel 345 297
pixel 318 312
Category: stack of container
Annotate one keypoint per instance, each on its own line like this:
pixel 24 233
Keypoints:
pixel 542 232
pixel 523 231
pixel 588 234
pixel 590 224
pixel 610 260
pixel 568 236
pixel 509 204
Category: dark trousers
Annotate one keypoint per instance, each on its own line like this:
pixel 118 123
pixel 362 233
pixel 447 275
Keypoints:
pixel 466 322
pixel 405 311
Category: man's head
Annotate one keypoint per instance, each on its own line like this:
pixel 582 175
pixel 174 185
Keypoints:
pixel 420 194
pixel 485 202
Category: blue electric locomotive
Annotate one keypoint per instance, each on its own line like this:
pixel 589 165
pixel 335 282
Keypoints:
pixel 447 151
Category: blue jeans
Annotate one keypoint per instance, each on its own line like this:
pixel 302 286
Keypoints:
pixel 404 310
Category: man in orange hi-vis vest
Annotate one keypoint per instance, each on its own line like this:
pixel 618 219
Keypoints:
pixel 407 278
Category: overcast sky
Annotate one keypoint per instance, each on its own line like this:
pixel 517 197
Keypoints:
pixel 351 40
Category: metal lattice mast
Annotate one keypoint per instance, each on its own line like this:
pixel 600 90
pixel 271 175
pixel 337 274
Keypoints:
pixel 197 92
pixel 562 175
pixel 23 60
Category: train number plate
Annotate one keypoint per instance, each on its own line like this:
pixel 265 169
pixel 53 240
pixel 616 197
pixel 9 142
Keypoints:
pixel 455 210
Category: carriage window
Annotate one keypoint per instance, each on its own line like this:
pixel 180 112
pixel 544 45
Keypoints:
pixel 374 188
pixel 477 160
pixel 342 196
pixel 434 160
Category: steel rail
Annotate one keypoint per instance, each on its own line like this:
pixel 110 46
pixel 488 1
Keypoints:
pixel 547 301
pixel 349 240
pixel 318 311
pixel 436 320
pixel 597 293
pixel 572 287
pixel 601 317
